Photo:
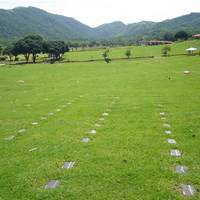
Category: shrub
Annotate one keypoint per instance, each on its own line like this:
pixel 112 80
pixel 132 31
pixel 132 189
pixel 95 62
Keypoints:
pixel 3 58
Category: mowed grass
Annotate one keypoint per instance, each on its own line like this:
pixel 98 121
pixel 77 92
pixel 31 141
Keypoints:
pixel 136 51
pixel 129 156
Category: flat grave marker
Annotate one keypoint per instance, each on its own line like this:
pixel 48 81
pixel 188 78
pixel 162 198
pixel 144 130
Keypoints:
pixel 168 132
pixel 21 81
pixel 181 169
pixel 33 149
pixel 175 153
pixel 43 118
pixel 186 72
pixel 68 165
pixel 165 125
pixel 86 140
pixel 52 184
pixel 162 114
pixel 97 125
pixel 34 123
pixel 105 114
pixel 101 119
pixel 9 138
pixel 93 132
pixel 171 141
pixel 163 118
pixel 21 130
pixel 188 190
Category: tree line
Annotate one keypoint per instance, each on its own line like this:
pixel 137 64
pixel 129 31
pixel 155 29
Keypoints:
pixel 32 45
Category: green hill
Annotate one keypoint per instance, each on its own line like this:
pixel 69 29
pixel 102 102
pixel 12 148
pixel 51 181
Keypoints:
pixel 21 21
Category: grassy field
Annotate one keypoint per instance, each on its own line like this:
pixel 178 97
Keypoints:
pixel 137 51
pixel 128 157
pixel 176 48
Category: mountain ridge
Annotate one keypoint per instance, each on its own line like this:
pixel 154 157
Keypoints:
pixel 20 21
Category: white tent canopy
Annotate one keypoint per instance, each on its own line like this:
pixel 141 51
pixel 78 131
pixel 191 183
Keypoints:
pixel 191 49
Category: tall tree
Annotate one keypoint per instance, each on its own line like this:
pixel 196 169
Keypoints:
pixel 181 35
pixel 35 45
pixel 1 49
pixel 21 47
pixel 8 51
pixel 165 50
pixel 56 49
pixel 128 53
pixel 168 36
pixel 30 45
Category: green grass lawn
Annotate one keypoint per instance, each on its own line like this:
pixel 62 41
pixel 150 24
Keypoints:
pixel 128 158
pixel 176 48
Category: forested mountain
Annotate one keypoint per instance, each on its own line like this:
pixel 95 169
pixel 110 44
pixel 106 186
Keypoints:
pixel 21 21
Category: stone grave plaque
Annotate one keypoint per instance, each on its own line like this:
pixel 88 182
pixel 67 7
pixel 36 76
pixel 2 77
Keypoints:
pixel 9 138
pixel 51 113
pixel 34 123
pixel 92 132
pixel 162 114
pixel 181 169
pixel 171 141
pixel 58 110
pixel 186 72
pixel 163 118
pixel 166 125
pixel 33 149
pixel 101 119
pixel 21 130
pixel 105 114
pixel 188 190
pixel 86 140
pixel 175 152
pixel 68 165
pixel 43 118
pixel 168 132
pixel 52 184
pixel 97 125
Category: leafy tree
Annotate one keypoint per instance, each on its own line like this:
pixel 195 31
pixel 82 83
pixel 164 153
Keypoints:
pixel 128 53
pixel 1 49
pixel 168 36
pixel 30 45
pixel 55 49
pixel 106 56
pixel 9 51
pixel 181 35
pixel 35 45
pixel 22 48
pixel 83 46
pixel 165 50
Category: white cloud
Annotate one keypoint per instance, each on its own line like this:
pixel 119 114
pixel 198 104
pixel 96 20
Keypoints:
pixel 93 12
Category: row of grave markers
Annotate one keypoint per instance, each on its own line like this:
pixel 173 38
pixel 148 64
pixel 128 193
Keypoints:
pixel 52 184
pixel 187 189
pixel 44 117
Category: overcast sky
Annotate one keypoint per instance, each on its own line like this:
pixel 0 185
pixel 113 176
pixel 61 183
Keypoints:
pixel 96 12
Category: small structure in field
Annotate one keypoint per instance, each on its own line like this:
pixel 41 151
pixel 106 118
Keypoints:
pixel 196 36
pixel 191 50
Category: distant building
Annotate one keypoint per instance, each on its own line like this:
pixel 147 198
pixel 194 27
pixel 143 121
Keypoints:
pixel 197 36
pixel 157 42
